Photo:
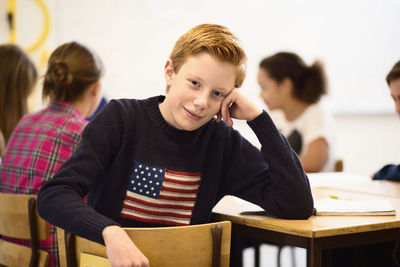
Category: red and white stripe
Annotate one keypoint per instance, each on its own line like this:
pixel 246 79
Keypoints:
pixel 174 205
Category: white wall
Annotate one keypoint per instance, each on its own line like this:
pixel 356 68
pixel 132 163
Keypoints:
pixel 367 142
pixel 358 40
pixel 364 142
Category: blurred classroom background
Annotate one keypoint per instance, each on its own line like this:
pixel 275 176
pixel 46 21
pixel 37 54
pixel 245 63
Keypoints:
pixel 357 40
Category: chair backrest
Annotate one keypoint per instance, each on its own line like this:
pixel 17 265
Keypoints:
pixel 339 165
pixel 194 245
pixel 19 219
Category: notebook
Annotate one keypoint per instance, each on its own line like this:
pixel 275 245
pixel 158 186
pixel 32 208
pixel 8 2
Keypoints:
pixel 352 207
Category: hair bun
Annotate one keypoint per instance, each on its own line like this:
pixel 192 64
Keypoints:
pixel 59 74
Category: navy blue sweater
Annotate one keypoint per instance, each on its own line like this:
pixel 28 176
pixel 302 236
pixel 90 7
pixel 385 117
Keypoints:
pixel 128 147
pixel 388 172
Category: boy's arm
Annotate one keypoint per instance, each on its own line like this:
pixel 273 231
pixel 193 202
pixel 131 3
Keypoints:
pixel 274 178
pixel 60 200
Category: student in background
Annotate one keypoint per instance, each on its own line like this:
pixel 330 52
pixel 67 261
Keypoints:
pixel 102 104
pixel 289 85
pixel 43 141
pixel 382 254
pixel 392 172
pixel 18 76
pixel 167 160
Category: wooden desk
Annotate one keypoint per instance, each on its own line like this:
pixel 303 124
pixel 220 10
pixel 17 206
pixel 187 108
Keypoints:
pixel 315 234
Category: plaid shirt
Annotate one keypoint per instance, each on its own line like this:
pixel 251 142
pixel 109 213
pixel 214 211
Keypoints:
pixel 39 145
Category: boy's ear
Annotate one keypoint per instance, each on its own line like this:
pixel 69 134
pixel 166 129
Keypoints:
pixel 168 72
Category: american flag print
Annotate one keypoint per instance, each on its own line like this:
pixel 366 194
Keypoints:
pixel 161 196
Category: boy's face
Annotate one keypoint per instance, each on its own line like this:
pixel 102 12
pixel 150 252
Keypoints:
pixel 395 93
pixel 196 90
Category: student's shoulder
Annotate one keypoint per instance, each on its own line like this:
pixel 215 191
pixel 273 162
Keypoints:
pixel 221 130
pixel 131 103
pixel 313 114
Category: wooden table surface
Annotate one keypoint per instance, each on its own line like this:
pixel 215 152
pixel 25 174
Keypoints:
pixel 317 233
pixel 316 226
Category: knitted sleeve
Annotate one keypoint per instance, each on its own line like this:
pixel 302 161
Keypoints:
pixel 60 201
pixel 272 178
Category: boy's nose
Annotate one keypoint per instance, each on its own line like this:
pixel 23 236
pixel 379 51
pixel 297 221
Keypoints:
pixel 201 100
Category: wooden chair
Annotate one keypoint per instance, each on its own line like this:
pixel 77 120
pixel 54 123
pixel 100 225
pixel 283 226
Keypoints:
pixel 19 219
pixel 339 165
pixel 193 245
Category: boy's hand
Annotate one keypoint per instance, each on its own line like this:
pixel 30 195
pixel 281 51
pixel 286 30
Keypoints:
pixel 121 251
pixel 236 106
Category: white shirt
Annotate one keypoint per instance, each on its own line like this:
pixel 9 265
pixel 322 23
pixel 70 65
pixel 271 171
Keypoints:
pixel 315 122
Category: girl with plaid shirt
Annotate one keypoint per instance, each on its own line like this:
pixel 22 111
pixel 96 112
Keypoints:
pixel 43 141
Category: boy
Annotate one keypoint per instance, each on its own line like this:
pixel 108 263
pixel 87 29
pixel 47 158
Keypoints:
pixel 167 161
pixel 392 172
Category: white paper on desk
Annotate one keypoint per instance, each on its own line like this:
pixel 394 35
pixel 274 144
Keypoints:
pixel 374 207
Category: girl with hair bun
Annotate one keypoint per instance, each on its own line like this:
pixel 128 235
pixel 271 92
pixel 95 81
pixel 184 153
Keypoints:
pixel 289 85
pixel 43 141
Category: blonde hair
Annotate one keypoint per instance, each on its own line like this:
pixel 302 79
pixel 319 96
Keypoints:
pixel 71 69
pixel 18 76
pixel 214 39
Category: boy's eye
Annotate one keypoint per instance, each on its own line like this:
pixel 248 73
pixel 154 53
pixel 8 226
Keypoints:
pixel 218 94
pixel 195 83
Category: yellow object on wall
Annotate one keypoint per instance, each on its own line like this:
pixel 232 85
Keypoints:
pixel 37 46
pixel 46 25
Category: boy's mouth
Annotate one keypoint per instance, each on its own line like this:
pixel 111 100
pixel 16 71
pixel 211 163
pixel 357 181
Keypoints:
pixel 193 115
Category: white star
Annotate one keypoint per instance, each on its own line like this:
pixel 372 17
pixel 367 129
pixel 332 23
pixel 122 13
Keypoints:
pixel 152 188
pixel 145 186
pixel 137 176
pixel 142 172
pixel 147 168
pixel 132 181
pixel 148 174
pixel 135 170
pixel 140 190
pixel 155 176
pixel 150 181
pixel 139 184
pixel 144 179
pixel 160 171
pixel 147 192
pixel 134 189
pixel 157 183
pixel 154 169
pixel 140 166
pixel 154 194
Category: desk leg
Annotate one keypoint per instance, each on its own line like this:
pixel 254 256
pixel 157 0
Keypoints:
pixel 314 251
pixel 237 246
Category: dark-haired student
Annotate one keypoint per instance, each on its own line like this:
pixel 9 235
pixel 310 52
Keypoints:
pixel 289 85
pixel 384 254
pixel 391 171
pixel 18 76
pixel 43 141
